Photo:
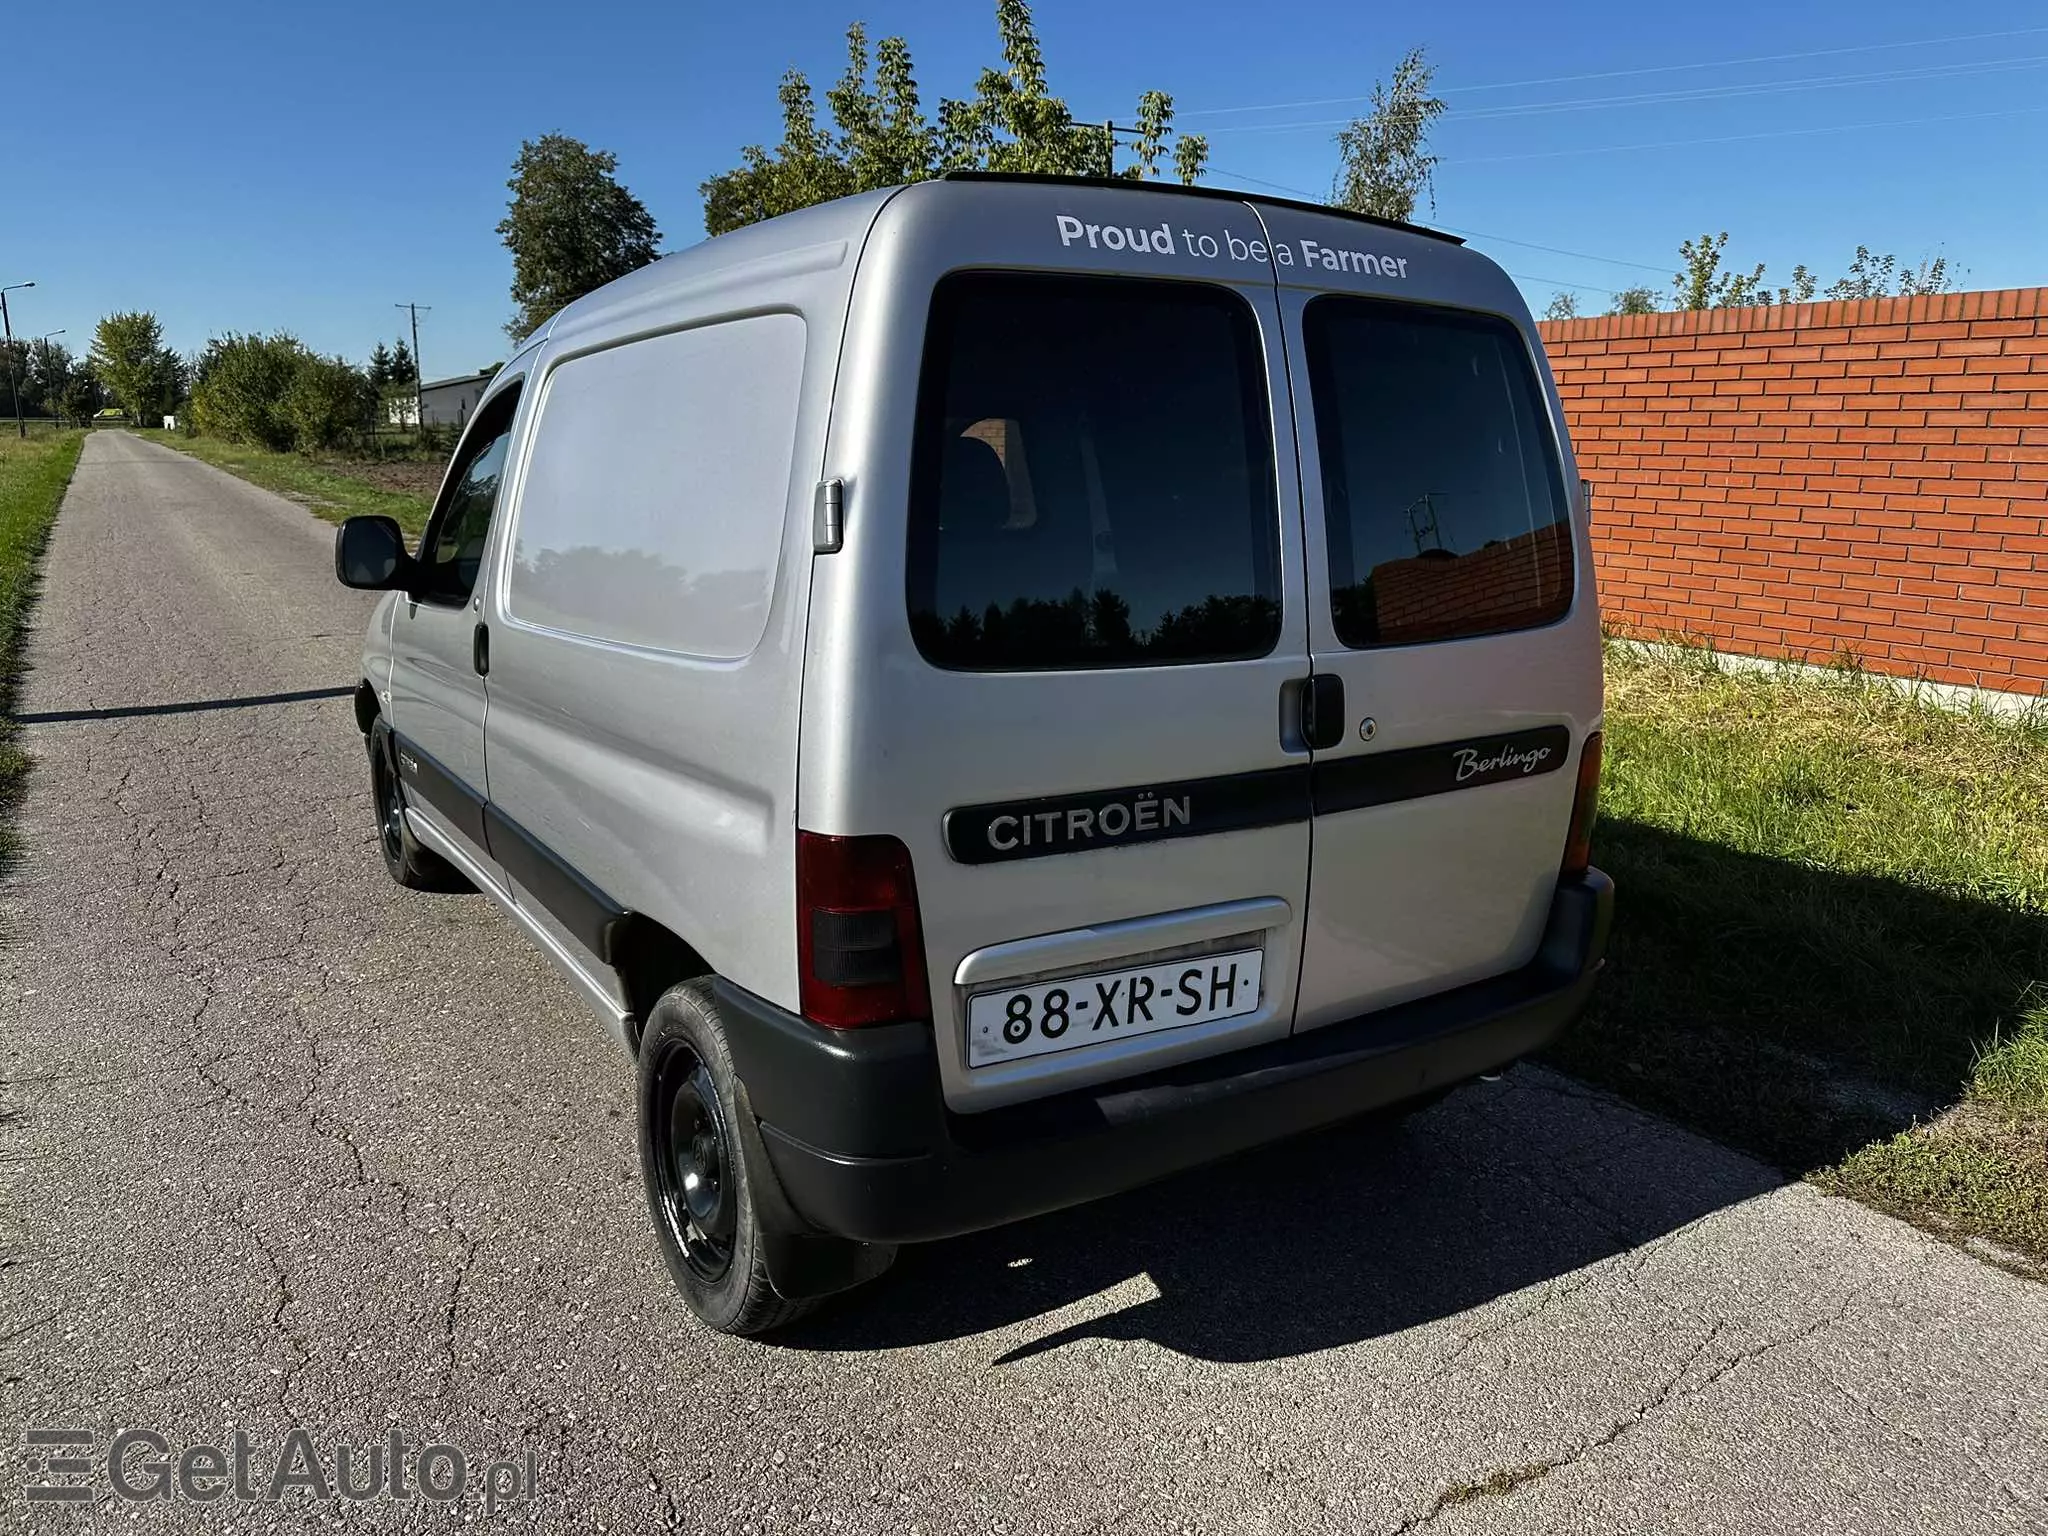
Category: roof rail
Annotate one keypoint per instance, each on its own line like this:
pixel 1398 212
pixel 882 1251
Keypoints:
pixel 1176 189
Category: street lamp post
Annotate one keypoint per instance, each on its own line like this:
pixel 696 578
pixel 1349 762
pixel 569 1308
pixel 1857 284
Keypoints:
pixel 56 410
pixel 13 375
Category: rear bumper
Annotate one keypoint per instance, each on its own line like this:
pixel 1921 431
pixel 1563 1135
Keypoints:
pixel 860 1140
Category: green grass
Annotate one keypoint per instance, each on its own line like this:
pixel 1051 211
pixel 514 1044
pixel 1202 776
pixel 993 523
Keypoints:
pixel 1831 934
pixel 325 488
pixel 33 475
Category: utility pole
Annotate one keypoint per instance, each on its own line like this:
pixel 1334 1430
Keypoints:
pixel 13 376
pixel 1110 132
pixel 419 399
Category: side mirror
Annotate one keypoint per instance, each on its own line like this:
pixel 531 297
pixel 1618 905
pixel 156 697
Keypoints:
pixel 369 552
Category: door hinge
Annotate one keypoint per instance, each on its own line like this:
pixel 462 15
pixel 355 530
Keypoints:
pixel 480 649
pixel 828 517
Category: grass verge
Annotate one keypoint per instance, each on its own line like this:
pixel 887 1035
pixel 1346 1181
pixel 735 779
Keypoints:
pixel 1831 935
pixel 33 475
pixel 329 488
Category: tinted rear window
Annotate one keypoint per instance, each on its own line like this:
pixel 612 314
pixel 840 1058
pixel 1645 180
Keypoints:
pixel 1094 477
pixel 1443 500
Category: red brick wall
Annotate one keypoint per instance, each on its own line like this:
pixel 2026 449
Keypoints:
pixel 1496 587
pixel 1818 480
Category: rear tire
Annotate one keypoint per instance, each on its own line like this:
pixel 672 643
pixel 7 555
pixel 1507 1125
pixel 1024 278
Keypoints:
pixel 698 1164
pixel 406 859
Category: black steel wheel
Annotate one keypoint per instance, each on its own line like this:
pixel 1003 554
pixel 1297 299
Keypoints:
pixel 391 829
pixel 406 859
pixel 699 1161
pixel 696 1185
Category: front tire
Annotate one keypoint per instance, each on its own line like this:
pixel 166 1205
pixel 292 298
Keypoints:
pixel 406 859
pixel 695 1162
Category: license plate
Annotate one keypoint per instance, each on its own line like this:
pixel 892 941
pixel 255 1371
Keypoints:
pixel 1014 1022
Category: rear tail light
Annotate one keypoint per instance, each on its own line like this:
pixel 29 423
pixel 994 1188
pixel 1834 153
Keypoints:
pixel 1578 844
pixel 860 950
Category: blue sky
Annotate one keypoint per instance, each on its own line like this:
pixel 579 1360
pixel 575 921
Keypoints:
pixel 232 166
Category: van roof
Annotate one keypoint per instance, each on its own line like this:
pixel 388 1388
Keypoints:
pixel 1178 189
pixel 736 255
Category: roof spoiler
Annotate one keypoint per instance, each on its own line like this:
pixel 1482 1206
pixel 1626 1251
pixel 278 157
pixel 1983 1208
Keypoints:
pixel 1176 189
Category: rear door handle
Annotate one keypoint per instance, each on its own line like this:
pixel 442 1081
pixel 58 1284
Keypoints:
pixel 480 649
pixel 1322 711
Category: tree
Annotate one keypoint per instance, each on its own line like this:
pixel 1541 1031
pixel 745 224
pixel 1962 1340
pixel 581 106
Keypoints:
pixel 570 226
pixel 271 391
pixel 808 167
pixel 144 377
pixel 1634 301
pixel 881 137
pixel 1801 289
pixel 327 401
pixel 398 395
pixel 1701 284
pixel 379 369
pixel 83 393
pixel 17 375
pixel 1930 277
pixel 50 366
pixel 1563 306
pixel 1872 277
pixel 1384 164
pixel 239 387
pixel 886 139
pixel 1014 122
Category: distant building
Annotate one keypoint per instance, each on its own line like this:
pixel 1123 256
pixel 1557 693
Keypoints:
pixel 447 402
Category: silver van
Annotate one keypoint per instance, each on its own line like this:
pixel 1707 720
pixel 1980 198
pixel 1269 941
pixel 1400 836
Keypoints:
pixel 1002 689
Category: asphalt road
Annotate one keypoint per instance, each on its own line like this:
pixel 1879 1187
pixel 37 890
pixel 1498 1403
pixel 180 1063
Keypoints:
pixel 288 1146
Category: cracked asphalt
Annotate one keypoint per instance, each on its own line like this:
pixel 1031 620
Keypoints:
pixel 286 1146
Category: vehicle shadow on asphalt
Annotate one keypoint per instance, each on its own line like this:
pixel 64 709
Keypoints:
pixel 182 707
pixel 1328 1240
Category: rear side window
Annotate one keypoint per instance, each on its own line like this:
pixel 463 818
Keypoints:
pixel 1094 477
pixel 1443 498
pixel 653 505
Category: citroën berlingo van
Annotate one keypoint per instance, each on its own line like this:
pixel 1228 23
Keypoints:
pixel 1002 689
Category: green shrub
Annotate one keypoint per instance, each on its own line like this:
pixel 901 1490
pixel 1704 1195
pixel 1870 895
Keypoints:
pixel 270 392
pixel 239 387
pixel 328 402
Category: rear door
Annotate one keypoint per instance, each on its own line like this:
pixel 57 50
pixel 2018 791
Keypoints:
pixel 1070 688
pixel 1446 601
